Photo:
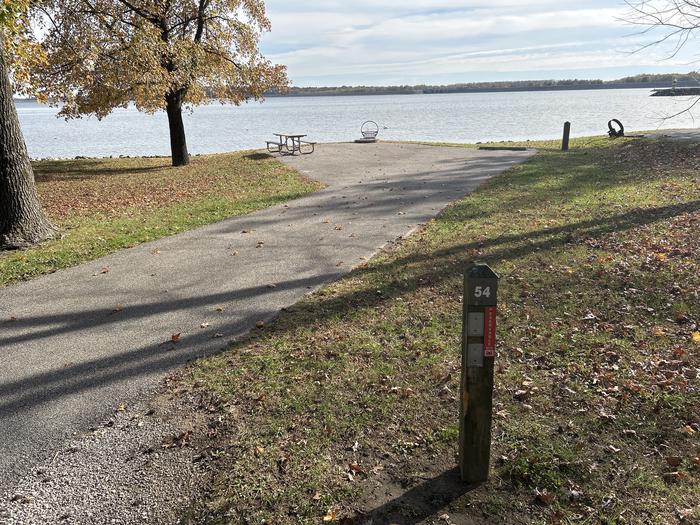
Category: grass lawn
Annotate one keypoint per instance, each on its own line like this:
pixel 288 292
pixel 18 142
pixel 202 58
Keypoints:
pixel 103 205
pixel 345 408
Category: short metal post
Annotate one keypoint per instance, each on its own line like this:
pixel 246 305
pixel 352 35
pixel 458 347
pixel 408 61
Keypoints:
pixel 565 139
pixel 478 356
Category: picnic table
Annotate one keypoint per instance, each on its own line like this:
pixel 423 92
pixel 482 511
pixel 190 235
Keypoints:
pixel 282 145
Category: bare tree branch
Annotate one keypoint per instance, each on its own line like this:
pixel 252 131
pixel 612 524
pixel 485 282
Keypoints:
pixel 677 20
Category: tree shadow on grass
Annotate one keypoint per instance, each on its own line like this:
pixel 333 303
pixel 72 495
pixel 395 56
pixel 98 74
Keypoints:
pixel 19 399
pixel 258 156
pixel 80 170
pixel 441 265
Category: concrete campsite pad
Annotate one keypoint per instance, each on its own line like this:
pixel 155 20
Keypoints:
pixel 79 342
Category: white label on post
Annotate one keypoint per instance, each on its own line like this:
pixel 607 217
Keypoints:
pixel 475 355
pixel 475 324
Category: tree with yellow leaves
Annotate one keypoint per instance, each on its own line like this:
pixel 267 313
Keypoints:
pixel 158 54
pixel 22 221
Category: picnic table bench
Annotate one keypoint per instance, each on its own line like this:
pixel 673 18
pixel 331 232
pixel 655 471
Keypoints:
pixel 290 144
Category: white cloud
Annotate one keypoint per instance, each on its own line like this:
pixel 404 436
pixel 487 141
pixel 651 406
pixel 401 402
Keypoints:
pixel 335 42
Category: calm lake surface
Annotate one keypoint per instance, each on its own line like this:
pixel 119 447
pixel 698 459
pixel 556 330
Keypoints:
pixel 463 117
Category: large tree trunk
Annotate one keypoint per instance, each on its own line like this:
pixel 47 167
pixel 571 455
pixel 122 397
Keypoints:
pixel 178 142
pixel 22 221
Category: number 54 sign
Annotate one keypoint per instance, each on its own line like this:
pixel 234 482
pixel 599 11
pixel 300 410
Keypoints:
pixel 482 292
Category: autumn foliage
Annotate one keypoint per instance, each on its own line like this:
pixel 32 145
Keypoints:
pixel 159 54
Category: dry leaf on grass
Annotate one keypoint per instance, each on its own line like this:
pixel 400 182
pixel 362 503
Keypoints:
pixel 674 461
pixel 543 497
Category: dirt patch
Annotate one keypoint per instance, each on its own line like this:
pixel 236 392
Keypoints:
pixel 431 498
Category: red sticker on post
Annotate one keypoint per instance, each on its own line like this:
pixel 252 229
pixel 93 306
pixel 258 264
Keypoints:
pixel 490 331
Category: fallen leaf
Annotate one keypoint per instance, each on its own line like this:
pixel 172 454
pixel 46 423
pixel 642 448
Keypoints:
pixel 502 414
pixel 175 338
pixel 355 468
pixel 180 440
pixel 22 499
pixel 696 337
pixel 573 494
pixel 521 395
pixel 543 497
pixel 121 408
pixel 674 461
pixel 331 515
pixel 672 477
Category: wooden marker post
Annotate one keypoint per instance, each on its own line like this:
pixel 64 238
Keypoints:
pixel 565 138
pixel 478 356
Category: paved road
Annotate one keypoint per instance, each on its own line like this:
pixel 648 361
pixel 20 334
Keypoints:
pixel 77 343
pixel 692 135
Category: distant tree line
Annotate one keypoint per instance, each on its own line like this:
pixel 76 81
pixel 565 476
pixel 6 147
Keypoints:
pixel 517 85
pixel 693 76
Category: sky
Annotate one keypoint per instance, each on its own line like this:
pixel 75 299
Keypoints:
pixel 398 42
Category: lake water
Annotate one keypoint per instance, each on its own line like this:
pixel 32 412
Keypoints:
pixel 463 117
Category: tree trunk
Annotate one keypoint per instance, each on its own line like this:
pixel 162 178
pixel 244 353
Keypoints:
pixel 178 142
pixel 22 221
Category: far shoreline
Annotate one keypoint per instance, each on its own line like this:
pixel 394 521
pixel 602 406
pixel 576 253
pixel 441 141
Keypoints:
pixel 445 90
pixel 511 89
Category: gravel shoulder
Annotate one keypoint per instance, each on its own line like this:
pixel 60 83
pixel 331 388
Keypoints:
pixel 138 465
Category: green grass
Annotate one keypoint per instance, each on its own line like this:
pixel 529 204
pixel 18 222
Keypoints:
pixel 104 205
pixel 599 309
